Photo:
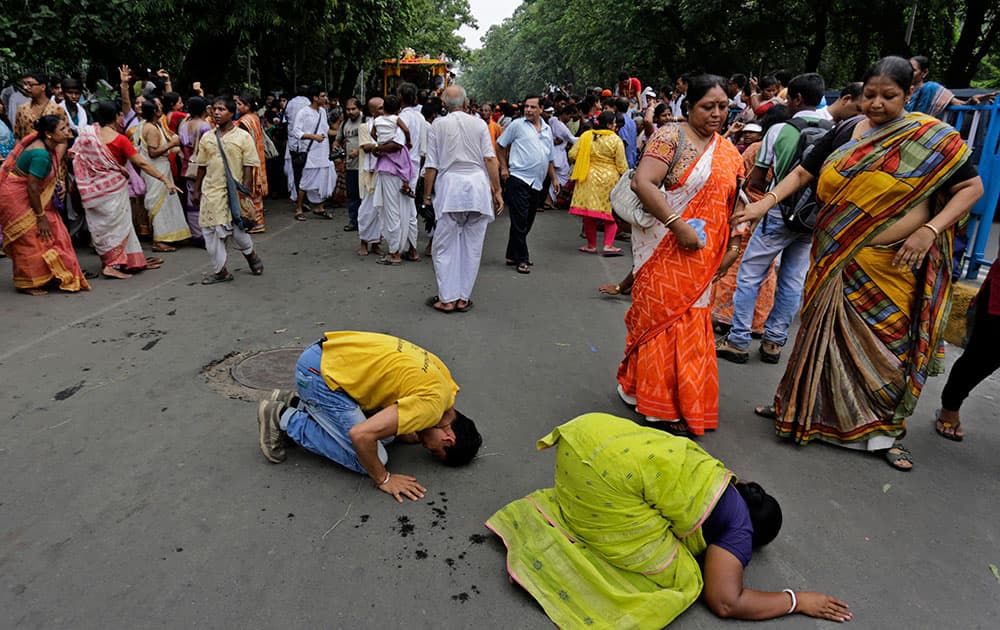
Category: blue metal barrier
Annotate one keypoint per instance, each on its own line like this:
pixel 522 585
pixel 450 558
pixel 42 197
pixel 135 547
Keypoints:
pixel 980 127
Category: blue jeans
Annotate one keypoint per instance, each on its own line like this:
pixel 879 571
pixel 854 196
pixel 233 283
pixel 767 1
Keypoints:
pixel 324 418
pixel 772 237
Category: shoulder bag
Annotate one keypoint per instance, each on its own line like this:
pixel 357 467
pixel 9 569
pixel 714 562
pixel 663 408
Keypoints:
pixel 238 196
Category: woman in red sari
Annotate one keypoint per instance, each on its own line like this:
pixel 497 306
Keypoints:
pixel 669 372
pixel 34 236
pixel 250 122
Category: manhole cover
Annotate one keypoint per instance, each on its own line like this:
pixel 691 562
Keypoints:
pixel 268 369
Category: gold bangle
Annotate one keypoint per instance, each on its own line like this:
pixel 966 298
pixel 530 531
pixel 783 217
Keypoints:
pixel 771 192
pixel 930 227
pixel 671 219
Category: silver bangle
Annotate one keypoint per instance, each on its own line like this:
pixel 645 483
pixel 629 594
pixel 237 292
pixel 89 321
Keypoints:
pixel 795 602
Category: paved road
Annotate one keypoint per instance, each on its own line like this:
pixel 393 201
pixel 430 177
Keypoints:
pixel 134 496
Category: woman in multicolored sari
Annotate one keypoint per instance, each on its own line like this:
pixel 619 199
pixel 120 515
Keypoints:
pixel 99 158
pixel 930 97
pixel 34 236
pixel 600 161
pixel 669 372
pixel 878 290
pixel 246 106
pixel 616 543
pixel 154 143
pixel 190 132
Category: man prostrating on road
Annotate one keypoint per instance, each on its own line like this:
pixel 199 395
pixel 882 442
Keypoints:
pixel 357 391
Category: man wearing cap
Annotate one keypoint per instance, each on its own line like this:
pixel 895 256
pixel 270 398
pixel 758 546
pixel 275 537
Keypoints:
pixel 356 392
pixel 526 153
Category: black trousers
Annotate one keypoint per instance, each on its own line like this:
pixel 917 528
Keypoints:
pixel 980 359
pixel 521 201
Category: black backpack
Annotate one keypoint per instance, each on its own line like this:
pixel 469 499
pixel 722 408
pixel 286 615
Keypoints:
pixel 799 211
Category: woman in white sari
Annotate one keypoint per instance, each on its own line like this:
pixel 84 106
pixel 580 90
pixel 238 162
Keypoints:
pixel 165 210
pixel 99 158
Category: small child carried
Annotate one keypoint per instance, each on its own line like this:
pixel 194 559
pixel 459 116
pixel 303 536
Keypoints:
pixel 389 127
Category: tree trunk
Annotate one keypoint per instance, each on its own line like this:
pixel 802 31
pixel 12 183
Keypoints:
pixel 969 50
pixel 350 77
pixel 814 52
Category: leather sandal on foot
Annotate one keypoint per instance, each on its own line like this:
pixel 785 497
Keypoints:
pixel 766 411
pixel 256 264
pixel 217 278
pixel 902 454
pixel 433 302
pixel 464 309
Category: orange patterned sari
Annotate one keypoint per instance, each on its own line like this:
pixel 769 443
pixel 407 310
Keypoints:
pixel 670 365
pixel 36 262
pixel 251 124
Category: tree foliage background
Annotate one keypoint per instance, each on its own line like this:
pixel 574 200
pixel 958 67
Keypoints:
pixel 582 42
pixel 265 44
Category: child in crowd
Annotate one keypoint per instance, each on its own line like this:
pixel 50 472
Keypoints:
pixel 389 127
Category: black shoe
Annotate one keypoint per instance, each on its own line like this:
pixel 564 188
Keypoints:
pixel 351 227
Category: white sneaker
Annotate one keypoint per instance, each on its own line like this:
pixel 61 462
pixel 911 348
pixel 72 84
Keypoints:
pixel 629 400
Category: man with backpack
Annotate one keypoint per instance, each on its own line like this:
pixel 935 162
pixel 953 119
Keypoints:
pixel 786 229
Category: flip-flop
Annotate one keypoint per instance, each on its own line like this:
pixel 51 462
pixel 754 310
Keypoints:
pixel 388 261
pixel 511 263
pixel 413 258
pixel 163 248
pixel 523 268
pixel 153 260
pixel 300 216
pixel 679 427
pixel 464 309
pixel 432 302
pixel 766 411
pixel 948 430
pixel 586 250
pixel 325 214
pixel 614 251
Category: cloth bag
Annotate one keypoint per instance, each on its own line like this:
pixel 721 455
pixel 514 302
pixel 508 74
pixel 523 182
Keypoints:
pixel 625 202
pixel 240 199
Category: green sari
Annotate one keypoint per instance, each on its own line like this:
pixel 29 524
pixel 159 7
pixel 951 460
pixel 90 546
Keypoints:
pixel 613 544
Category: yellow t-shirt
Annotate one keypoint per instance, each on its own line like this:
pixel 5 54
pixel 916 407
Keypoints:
pixel 381 370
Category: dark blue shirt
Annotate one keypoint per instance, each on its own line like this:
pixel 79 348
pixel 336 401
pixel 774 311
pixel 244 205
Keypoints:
pixel 729 526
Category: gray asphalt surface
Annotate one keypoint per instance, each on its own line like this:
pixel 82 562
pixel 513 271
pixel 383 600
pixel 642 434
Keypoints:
pixel 134 496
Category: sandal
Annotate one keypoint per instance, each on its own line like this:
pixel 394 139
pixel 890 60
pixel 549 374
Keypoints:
pixel 300 216
pixel 433 302
pixel 385 260
pixel 152 260
pixel 217 278
pixel 464 309
pixel 163 248
pixel 412 258
pixel 948 430
pixel 256 264
pixel 612 251
pixel 524 268
pixel 587 250
pixel 511 263
pixel 678 427
pixel 902 454
pixel 766 411
pixel 323 214
pixel 33 291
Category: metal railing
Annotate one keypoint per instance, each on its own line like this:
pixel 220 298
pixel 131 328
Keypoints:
pixel 980 127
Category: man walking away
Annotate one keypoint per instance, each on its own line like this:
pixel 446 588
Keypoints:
pixel 462 172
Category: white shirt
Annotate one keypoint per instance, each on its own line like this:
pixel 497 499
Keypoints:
pixel 292 108
pixel 561 132
pixel 415 122
pixel 306 123
pixel 458 146
pixel 676 106
pixel 81 116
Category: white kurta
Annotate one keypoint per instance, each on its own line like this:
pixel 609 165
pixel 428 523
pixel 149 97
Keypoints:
pixel 319 177
pixel 561 162
pixel 458 146
pixel 417 124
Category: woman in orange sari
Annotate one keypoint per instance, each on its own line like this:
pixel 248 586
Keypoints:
pixel 669 372
pixel 34 236
pixel 246 106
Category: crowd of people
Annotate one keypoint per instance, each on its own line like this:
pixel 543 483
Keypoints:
pixel 745 203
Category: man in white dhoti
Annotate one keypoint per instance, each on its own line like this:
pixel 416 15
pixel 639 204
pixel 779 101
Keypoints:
pixel 463 177
pixel 369 226
pixel 310 135
pixel 412 114
pixel 292 108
